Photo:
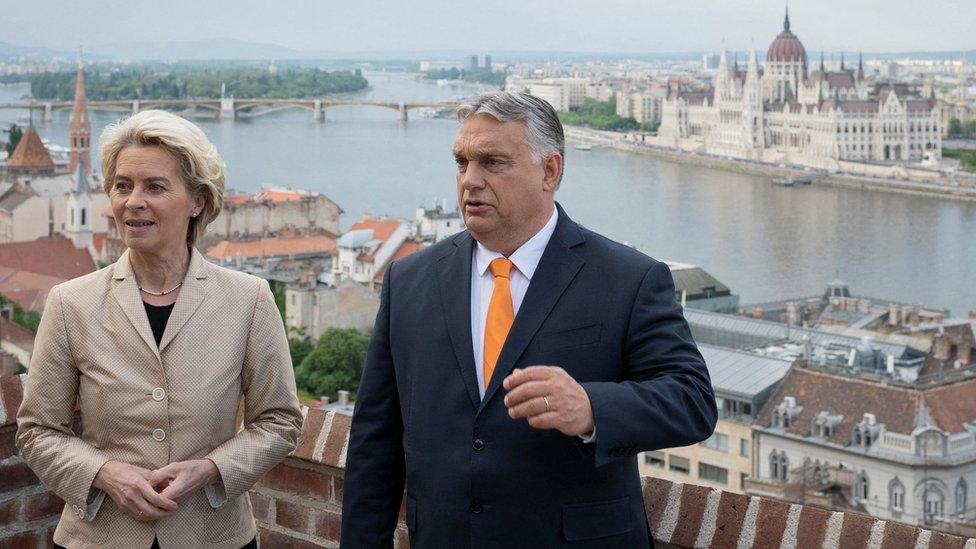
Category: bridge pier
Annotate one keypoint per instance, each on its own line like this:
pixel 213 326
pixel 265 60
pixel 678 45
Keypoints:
pixel 135 106
pixel 318 113
pixel 403 112
pixel 48 110
pixel 227 111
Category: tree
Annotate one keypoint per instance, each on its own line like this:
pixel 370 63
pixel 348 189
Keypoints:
pixel 27 319
pixel 336 363
pixel 299 344
pixel 955 127
pixel 14 138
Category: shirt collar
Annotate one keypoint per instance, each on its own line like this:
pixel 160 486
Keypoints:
pixel 527 257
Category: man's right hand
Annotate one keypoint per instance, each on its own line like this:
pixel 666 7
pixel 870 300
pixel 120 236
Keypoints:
pixel 129 487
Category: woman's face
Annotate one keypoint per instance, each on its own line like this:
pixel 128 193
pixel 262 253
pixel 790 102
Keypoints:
pixel 151 203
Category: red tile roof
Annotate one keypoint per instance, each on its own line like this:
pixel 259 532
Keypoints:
pixel 382 228
pixel 407 248
pixel 272 247
pixel 16 334
pixel 29 290
pixel 56 257
pixel 896 407
pixel 30 152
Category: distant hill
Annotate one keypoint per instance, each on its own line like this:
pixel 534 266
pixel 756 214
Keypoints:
pixel 8 50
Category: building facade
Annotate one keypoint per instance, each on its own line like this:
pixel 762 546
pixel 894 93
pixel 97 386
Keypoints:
pixel 783 112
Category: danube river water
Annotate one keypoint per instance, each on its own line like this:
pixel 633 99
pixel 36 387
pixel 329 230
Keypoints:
pixel 764 241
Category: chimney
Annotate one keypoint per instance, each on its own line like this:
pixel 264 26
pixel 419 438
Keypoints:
pixel 792 313
pixel 870 419
pixel 789 401
pixel 941 347
pixel 892 314
pixel 343 398
pixel 964 353
pixel 864 306
pixel 323 401
pixel 757 312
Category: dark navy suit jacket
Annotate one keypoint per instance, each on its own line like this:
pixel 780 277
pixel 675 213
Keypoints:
pixel 477 478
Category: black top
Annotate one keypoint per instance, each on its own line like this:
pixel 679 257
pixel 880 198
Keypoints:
pixel 158 316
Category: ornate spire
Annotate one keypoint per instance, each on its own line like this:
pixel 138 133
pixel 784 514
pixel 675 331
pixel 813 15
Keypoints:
pixel 842 61
pixel 860 66
pixel 823 69
pixel 786 21
pixel 80 128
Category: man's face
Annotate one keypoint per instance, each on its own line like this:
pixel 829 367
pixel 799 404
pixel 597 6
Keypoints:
pixel 504 196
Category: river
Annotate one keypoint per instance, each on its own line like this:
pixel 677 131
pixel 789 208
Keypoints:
pixel 763 241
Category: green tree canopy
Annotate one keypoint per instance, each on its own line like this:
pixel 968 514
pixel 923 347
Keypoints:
pixel 336 363
pixel 13 138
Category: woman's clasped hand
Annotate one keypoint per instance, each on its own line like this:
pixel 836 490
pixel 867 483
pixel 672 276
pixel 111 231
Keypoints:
pixel 151 495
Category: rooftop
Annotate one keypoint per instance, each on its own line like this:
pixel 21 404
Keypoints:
pixel 742 374
pixel 278 246
pixel 55 256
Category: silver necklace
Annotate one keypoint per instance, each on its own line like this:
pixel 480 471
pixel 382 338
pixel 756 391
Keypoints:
pixel 157 294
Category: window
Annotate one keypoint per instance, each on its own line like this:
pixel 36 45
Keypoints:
pixel 744 447
pixel 717 442
pixel 713 473
pixel 861 486
pixel 654 458
pixel 679 465
pixel 896 495
pixel 933 504
pixel 961 496
pixel 84 216
pixel 742 481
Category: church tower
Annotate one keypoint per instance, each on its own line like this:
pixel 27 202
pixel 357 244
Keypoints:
pixel 80 128
pixel 79 211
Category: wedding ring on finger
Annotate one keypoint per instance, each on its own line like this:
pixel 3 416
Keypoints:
pixel 546 400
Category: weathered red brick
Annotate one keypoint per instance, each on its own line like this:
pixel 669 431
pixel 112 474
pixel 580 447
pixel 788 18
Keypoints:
pixel 656 500
pixel 45 504
pixel 856 529
pixel 270 538
pixel 261 505
pixel 401 538
pixel 337 483
pixel 299 481
pixel 771 522
pixel 337 439
pixel 940 540
pixel 292 515
pixel 693 499
pixel 9 511
pixel 16 475
pixel 898 535
pixel 8 446
pixel 328 524
pixel 23 540
pixel 812 527
pixel 728 524
pixel 310 433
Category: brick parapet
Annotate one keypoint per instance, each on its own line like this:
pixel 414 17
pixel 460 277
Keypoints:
pixel 299 503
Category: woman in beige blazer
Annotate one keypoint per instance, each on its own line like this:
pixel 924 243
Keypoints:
pixel 157 352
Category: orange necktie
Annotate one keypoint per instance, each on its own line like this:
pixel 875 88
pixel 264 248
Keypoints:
pixel 501 315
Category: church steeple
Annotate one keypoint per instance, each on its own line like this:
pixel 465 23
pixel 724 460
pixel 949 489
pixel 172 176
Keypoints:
pixel 842 69
pixel 80 127
pixel 823 69
pixel 860 66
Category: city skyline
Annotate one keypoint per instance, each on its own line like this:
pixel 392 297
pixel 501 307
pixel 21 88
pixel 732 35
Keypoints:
pixel 617 26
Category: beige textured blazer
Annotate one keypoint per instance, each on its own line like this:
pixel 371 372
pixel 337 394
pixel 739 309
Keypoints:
pixel 152 406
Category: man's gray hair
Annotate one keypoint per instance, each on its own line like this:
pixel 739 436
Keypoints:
pixel 544 129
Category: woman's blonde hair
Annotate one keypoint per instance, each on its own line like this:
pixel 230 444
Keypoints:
pixel 202 167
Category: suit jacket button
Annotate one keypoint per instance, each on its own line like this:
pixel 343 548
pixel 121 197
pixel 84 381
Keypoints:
pixel 158 394
pixel 159 435
pixel 478 444
pixel 476 508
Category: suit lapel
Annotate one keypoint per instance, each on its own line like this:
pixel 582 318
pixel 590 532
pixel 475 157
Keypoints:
pixel 455 278
pixel 126 293
pixel 191 295
pixel 557 269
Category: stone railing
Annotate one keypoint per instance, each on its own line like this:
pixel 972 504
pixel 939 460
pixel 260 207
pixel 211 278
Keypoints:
pixel 298 504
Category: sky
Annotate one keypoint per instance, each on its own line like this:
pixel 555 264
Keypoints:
pixel 605 26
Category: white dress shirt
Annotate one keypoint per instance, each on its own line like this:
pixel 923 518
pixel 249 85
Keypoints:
pixel 524 260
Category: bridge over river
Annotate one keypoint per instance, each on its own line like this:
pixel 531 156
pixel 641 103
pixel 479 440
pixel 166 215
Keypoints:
pixel 228 108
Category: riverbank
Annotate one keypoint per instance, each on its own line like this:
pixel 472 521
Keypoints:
pixel 615 140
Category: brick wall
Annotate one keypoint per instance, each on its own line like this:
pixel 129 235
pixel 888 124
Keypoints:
pixel 298 504
pixel 28 510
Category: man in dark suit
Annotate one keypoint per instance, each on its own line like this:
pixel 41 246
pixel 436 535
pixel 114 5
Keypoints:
pixel 516 369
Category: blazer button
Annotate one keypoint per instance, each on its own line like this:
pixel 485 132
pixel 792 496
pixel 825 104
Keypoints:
pixel 478 444
pixel 159 435
pixel 158 394
pixel 476 508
